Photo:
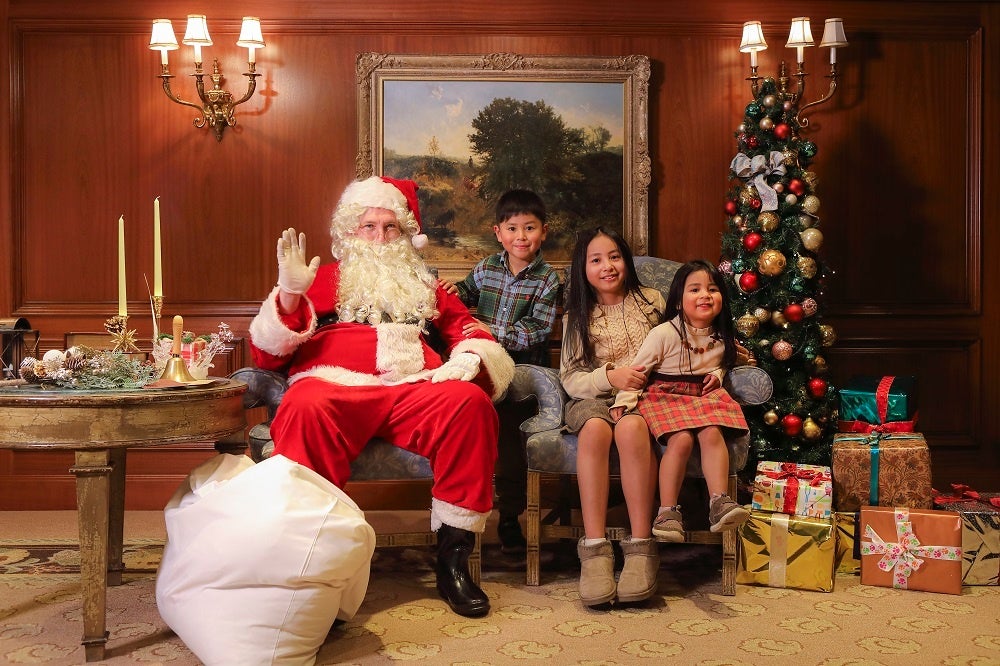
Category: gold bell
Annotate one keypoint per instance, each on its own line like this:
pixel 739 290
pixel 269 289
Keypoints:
pixel 175 369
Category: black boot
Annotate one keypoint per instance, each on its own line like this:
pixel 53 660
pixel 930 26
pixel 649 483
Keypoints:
pixel 454 583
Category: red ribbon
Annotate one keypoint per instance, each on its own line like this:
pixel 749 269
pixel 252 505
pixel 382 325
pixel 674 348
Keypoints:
pixel 865 428
pixel 791 473
pixel 963 493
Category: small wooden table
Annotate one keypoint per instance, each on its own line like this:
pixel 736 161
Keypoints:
pixel 100 426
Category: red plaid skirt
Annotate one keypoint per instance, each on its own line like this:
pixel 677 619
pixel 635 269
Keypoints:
pixel 667 410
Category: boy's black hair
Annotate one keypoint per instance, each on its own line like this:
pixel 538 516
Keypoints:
pixel 520 202
pixel 723 323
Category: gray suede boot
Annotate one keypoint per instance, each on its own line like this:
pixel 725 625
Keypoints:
pixel 597 573
pixel 637 581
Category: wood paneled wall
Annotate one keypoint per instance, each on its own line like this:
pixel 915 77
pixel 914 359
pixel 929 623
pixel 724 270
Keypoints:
pixel 907 149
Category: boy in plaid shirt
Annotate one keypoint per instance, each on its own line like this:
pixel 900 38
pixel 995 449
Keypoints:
pixel 515 294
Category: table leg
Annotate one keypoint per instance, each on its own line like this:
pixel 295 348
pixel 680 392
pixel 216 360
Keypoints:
pixel 116 517
pixel 93 471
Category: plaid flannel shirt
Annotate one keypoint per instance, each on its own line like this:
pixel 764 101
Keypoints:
pixel 519 309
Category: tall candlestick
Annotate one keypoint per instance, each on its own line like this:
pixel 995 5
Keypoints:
pixel 122 301
pixel 157 259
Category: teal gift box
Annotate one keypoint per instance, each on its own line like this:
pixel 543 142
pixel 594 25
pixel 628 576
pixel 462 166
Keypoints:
pixel 879 399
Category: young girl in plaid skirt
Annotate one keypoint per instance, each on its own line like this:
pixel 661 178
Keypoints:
pixel 684 403
pixel 608 314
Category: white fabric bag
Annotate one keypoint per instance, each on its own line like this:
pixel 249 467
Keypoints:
pixel 260 560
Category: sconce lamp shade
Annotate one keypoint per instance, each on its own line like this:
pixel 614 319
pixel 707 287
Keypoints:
pixel 163 38
pixel 753 38
pixel 833 34
pixel 799 36
pixel 197 31
pixel 250 34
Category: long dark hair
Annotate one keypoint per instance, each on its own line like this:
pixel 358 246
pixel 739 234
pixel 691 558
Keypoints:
pixel 580 297
pixel 723 322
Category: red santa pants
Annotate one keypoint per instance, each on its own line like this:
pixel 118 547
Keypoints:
pixel 453 424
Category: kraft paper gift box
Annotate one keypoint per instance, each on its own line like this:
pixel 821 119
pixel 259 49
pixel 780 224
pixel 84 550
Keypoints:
pixel 911 549
pixel 881 469
pixel 795 489
pixel 878 400
pixel 779 550
pixel 848 557
pixel 980 533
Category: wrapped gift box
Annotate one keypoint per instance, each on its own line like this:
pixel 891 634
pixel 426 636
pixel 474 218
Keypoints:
pixel 980 533
pixel 911 549
pixel 881 469
pixel 779 550
pixel 848 557
pixel 795 489
pixel 875 400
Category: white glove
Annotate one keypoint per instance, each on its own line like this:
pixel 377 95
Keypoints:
pixel 294 275
pixel 462 366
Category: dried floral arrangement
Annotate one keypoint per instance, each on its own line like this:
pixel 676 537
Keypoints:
pixel 85 368
pixel 203 349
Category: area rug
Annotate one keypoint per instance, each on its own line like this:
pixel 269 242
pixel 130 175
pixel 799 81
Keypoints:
pixel 402 619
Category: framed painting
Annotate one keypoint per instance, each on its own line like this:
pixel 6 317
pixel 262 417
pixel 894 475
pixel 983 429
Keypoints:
pixel 467 128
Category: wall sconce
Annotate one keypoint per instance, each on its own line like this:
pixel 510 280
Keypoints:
pixel 799 37
pixel 217 105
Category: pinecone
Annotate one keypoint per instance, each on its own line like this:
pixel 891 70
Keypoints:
pixel 74 361
pixel 27 369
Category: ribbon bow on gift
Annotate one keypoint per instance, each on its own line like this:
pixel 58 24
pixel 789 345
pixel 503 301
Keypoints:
pixel 905 555
pixel 758 168
pixel 814 477
pixel 963 493
pixel 882 405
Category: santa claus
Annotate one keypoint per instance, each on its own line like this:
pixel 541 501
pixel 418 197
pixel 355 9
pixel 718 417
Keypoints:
pixel 353 338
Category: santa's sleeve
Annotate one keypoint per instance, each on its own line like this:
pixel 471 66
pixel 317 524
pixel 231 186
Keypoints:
pixel 274 337
pixel 496 368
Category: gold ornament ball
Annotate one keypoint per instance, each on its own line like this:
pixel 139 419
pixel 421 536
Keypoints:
pixel 747 194
pixel 827 335
pixel 782 350
pixel 791 199
pixel 778 318
pixel 810 178
pixel 819 365
pixel 810 204
pixel 766 123
pixel 762 314
pixel 811 430
pixel 789 157
pixel 747 325
pixel 771 263
pixel 805 221
pixel 807 266
pixel 770 417
pixel 769 101
pixel 768 220
pixel 812 238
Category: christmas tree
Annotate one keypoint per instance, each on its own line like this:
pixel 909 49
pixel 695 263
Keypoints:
pixel 774 275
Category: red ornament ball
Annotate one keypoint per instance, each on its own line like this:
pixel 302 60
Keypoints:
pixel 749 281
pixel 816 387
pixel 794 312
pixel 752 141
pixel 755 203
pixel 752 240
pixel 731 208
pixel 782 130
pixel 791 424
pixel 796 187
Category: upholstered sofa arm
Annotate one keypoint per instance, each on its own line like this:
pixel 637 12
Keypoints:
pixel 535 381
pixel 265 388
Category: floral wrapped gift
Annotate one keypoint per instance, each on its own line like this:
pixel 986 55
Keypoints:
pixel 980 532
pixel 911 549
pixel 848 557
pixel 792 488
pixel 886 402
pixel 779 550
pixel 881 469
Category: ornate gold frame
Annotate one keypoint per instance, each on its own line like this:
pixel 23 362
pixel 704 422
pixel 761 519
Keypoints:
pixel 632 72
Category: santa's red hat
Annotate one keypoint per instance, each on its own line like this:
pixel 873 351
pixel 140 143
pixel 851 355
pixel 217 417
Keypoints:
pixel 399 196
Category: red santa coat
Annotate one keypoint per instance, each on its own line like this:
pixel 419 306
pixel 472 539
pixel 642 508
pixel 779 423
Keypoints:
pixel 375 382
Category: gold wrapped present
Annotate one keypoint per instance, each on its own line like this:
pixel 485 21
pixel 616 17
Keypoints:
pixel 779 550
pixel 911 549
pixel 793 488
pixel 980 532
pixel 848 558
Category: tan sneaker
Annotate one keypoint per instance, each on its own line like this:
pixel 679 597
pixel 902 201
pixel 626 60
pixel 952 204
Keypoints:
pixel 724 514
pixel 669 526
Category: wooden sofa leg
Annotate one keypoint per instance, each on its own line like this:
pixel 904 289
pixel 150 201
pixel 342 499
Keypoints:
pixel 476 560
pixel 730 550
pixel 533 522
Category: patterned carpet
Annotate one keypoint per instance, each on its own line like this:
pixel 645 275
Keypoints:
pixel 402 619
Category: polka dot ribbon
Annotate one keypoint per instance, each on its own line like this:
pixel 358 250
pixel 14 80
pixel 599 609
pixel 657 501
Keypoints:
pixel 905 555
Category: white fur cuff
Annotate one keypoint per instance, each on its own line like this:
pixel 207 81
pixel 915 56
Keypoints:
pixel 456 516
pixel 495 359
pixel 269 334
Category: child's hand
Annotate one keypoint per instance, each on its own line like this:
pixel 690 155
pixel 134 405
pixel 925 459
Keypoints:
pixel 472 327
pixel 630 378
pixel 617 413
pixel 448 287
pixel 710 383
pixel 743 356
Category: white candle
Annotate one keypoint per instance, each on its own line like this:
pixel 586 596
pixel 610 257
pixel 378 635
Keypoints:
pixel 163 56
pixel 122 301
pixel 252 56
pixel 800 53
pixel 753 58
pixel 197 53
pixel 157 259
pixel 833 55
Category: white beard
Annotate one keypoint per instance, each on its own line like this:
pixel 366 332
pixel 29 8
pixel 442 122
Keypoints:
pixel 383 282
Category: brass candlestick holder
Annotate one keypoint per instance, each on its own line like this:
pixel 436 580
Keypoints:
pixel 175 369
pixel 156 305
